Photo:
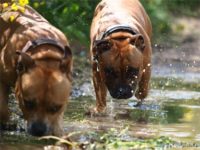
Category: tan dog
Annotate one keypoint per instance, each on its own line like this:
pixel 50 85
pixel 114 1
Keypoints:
pixel 36 58
pixel 121 50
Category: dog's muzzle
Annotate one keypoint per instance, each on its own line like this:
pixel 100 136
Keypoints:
pixel 122 92
pixel 37 129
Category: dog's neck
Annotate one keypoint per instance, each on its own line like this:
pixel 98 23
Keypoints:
pixel 30 45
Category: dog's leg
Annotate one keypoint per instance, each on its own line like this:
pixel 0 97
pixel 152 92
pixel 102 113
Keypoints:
pixel 143 88
pixel 101 92
pixel 4 112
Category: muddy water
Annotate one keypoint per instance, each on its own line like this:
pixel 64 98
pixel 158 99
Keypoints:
pixel 168 112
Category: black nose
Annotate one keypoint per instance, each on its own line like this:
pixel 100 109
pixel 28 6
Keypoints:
pixel 122 92
pixel 37 129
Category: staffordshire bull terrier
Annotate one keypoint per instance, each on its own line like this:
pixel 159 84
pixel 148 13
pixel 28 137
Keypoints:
pixel 35 58
pixel 120 51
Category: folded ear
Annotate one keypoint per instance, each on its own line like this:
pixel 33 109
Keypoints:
pixel 66 62
pixel 68 52
pixel 102 45
pixel 24 61
pixel 138 41
pixel 66 67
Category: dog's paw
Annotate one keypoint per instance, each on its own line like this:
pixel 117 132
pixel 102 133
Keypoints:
pixel 139 103
pixel 94 111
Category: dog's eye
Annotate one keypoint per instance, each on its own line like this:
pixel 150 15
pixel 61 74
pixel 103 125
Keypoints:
pixel 109 72
pixel 30 104
pixel 54 109
pixel 132 72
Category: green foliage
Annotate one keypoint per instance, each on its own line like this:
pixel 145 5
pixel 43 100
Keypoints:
pixel 160 12
pixel 183 7
pixel 72 17
pixel 158 15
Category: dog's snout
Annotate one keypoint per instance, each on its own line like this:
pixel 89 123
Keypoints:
pixel 38 129
pixel 122 92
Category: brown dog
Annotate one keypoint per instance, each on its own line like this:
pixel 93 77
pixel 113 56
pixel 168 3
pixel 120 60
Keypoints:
pixel 120 50
pixel 36 58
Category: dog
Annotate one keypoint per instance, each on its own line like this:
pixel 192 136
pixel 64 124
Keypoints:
pixel 35 59
pixel 120 51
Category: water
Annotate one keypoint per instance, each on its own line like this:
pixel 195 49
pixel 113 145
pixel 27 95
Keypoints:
pixel 168 113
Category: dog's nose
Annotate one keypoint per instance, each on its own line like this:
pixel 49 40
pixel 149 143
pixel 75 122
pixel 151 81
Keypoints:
pixel 120 89
pixel 38 129
pixel 122 92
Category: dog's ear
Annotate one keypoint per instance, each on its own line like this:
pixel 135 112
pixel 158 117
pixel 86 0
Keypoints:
pixel 138 41
pixel 66 67
pixel 102 45
pixel 68 52
pixel 24 61
pixel 66 62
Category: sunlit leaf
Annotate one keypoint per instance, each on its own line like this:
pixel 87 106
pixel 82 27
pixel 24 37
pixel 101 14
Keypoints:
pixel 5 5
pixel 12 18
pixel 36 4
pixel 14 7
pixel 65 10
pixel 23 2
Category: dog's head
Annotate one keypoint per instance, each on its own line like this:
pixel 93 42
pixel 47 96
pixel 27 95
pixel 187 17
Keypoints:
pixel 43 88
pixel 120 60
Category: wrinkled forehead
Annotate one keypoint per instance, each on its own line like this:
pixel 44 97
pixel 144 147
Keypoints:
pixel 44 85
pixel 118 60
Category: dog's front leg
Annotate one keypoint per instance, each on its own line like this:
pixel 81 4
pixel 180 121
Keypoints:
pixel 143 88
pixel 4 112
pixel 100 90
